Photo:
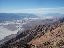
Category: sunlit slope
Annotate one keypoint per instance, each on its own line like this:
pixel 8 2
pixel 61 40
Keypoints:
pixel 53 39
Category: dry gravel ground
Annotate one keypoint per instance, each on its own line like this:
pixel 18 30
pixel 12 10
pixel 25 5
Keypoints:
pixel 53 39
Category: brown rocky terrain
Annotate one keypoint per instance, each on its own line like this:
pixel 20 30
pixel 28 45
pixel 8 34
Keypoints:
pixel 51 39
pixel 49 35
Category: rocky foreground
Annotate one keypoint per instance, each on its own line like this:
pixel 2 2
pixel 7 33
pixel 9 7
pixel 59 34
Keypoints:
pixel 54 38
pixel 42 36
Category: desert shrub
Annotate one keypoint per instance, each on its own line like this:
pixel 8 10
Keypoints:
pixel 60 43
pixel 46 43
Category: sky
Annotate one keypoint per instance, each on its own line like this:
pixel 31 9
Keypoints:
pixel 31 6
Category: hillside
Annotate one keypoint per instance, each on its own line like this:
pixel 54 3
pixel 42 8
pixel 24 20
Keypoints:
pixel 49 35
pixel 51 39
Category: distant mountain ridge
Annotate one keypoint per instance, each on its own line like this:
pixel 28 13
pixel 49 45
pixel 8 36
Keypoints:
pixel 15 16
pixel 18 16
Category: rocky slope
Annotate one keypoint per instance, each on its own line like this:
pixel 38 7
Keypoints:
pixel 51 39
pixel 49 35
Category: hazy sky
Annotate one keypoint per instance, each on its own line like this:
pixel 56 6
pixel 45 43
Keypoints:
pixel 31 6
